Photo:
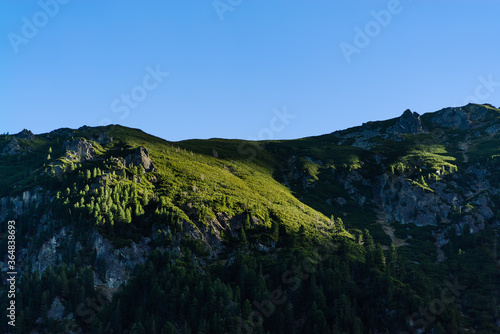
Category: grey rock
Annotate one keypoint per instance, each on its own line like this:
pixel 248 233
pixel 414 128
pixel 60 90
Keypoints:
pixel 262 248
pixel 56 310
pixel 409 123
pixel 341 200
pixel 48 255
pixel 362 137
pixel 104 139
pixel 406 203
pixel 476 112
pixel 13 147
pixel 26 135
pixel 63 132
pixel 13 207
pixel 119 262
pixel 79 149
pixel 140 158
pixel 495 128
pixel 456 118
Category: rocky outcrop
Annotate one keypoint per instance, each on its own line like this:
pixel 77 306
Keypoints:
pixel 361 138
pixel 406 203
pixel 104 139
pixel 462 118
pixel 63 132
pixel 13 207
pixel 25 135
pixel 445 203
pixel 119 263
pixel 476 112
pixel 18 143
pixel 140 157
pixel 409 123
pixel 56 310
pixel 13 147
pixel 48 255
pixel 455 118
pixel 79 149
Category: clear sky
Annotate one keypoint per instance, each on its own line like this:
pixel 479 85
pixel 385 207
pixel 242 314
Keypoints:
pixel 244 69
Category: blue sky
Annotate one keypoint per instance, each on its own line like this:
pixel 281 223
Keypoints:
pixel 245 69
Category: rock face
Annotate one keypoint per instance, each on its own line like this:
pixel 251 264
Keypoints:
pixel 463 118
pixel 119 262
pixel 455 118
pixel 362 138
pixel 13 147
pixel 63 132
pixel 48 256
pixel 103 139
pixel 409 123
pixel 56 310
pixel 477 113
pixel 140 158
pixel 79 149
pixel 15 206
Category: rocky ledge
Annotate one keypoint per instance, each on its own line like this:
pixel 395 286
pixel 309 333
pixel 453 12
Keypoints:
pixel 140 157
pixel 79 149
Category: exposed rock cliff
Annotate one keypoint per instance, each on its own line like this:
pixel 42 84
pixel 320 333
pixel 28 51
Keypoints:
pixel 25 134
pixel 409 123
pixel 79 149
pixel 140 157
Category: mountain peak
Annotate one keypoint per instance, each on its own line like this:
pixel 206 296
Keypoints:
pixel 25 134
pixel 409 123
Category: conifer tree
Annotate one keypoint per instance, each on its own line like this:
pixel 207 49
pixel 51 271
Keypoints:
pixel 243 237
pixel 247 222
pixel 275 231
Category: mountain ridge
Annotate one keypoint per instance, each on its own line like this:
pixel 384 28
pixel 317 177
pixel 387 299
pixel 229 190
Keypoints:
pixel 401 205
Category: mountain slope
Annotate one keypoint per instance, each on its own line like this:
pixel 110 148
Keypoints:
pixel 303 227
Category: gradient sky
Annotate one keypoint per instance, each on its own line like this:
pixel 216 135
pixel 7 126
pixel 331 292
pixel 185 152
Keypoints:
pixel 233 66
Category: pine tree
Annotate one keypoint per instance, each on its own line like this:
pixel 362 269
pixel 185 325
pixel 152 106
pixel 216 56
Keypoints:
pixel 247 222
pixel 243 237
pixel 367 238
pixel 379 257
pixel 122 216
pixel 169 328
pixel 145 198
pixel 110 217
pixel 187 328
pixel 275 231
pixel 45 305
pixel 64 284
pixel 139 211
pixel 339 225
pixel 137 328
pixel 88 280
pixel 128 215
pixel 392 259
